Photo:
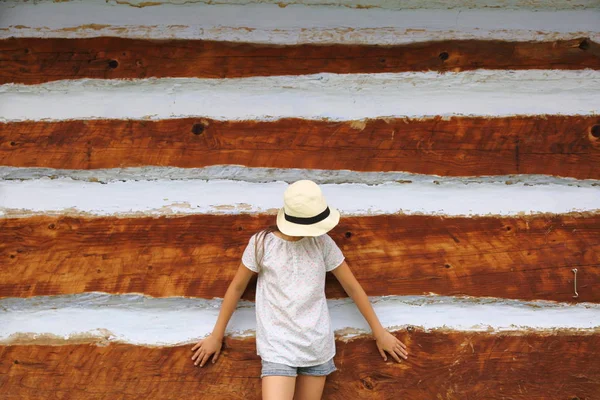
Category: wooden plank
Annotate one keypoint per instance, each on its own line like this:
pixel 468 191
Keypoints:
pixel 522 257
pixel 449 365
pixel 38 60
pixel 567 146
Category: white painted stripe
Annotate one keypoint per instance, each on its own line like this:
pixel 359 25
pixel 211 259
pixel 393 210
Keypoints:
pixel 168 197
pixel 387 4
pixel 318 96
pixel 144 320
pixel 289 175
pixel 270 23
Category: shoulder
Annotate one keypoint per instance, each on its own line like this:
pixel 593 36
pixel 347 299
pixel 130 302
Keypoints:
pixel 256 235
pixel 324 238
pixel 252 239
pixel 327 244
pixel 323 241
pixel 261 238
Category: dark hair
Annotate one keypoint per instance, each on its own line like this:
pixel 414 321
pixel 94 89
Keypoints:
pixel 260 236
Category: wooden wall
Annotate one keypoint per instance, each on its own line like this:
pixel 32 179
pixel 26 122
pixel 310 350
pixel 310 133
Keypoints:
pixel 460 141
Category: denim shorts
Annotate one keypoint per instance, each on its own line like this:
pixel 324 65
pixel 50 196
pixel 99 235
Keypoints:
pixel 271 368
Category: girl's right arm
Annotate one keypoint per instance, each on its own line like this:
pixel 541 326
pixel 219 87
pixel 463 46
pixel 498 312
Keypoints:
pixel 212 344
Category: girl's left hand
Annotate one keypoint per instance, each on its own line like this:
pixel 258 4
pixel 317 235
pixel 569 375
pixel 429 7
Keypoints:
pixel 388 342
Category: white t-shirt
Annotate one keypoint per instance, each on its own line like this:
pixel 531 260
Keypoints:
pixel 292 319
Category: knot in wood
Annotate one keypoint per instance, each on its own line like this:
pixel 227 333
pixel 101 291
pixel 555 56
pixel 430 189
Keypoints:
pixel 367 383
pixel 198 129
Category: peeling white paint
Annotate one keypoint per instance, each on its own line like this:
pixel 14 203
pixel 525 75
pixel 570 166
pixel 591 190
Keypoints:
pixel 395 4
pixel 289 175
pixel 271 23
pixel 491 93
pixel 166 197
pixel 145 320
pixel 387 4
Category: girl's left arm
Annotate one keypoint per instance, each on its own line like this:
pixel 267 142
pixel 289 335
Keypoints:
pixel 385 340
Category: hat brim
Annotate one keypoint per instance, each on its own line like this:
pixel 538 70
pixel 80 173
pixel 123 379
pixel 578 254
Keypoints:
pixel 318 229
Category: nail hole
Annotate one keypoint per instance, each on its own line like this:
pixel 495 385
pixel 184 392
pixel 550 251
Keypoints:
pixel 13 143
pixel 447 265
pixel 348 234
pixel 584 45
pixel 51 226
pixel 98 271
pixel 12 256
pixel 113 64
pixel 444 56
pixel 198 129
pixel 382 60
pixel 16 361
pixel 150 267
pixel 595 131
pixel 508 228
pixel 240 228
pixel 575 398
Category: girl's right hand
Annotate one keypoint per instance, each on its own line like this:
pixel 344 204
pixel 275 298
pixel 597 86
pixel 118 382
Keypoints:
pixel 205 347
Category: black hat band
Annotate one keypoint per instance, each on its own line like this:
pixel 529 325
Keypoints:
pixel 307 220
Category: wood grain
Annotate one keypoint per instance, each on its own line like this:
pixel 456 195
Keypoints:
pixel 567 146
pixel 524 257
pixel 440 365
pixel 37 60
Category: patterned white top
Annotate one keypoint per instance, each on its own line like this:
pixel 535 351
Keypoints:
pixel 293 326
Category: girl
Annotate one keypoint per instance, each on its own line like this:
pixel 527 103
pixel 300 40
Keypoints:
pixel 294 337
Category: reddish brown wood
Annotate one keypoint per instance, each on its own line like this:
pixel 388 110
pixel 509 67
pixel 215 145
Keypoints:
pixel 520 257
pixel 556 145
pixel 37 60
pixel 440 365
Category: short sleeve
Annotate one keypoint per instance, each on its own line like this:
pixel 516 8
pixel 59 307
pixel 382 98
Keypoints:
pixel 332 255
pixel 248 258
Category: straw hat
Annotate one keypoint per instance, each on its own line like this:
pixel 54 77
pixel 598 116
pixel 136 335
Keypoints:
pixel 305 211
